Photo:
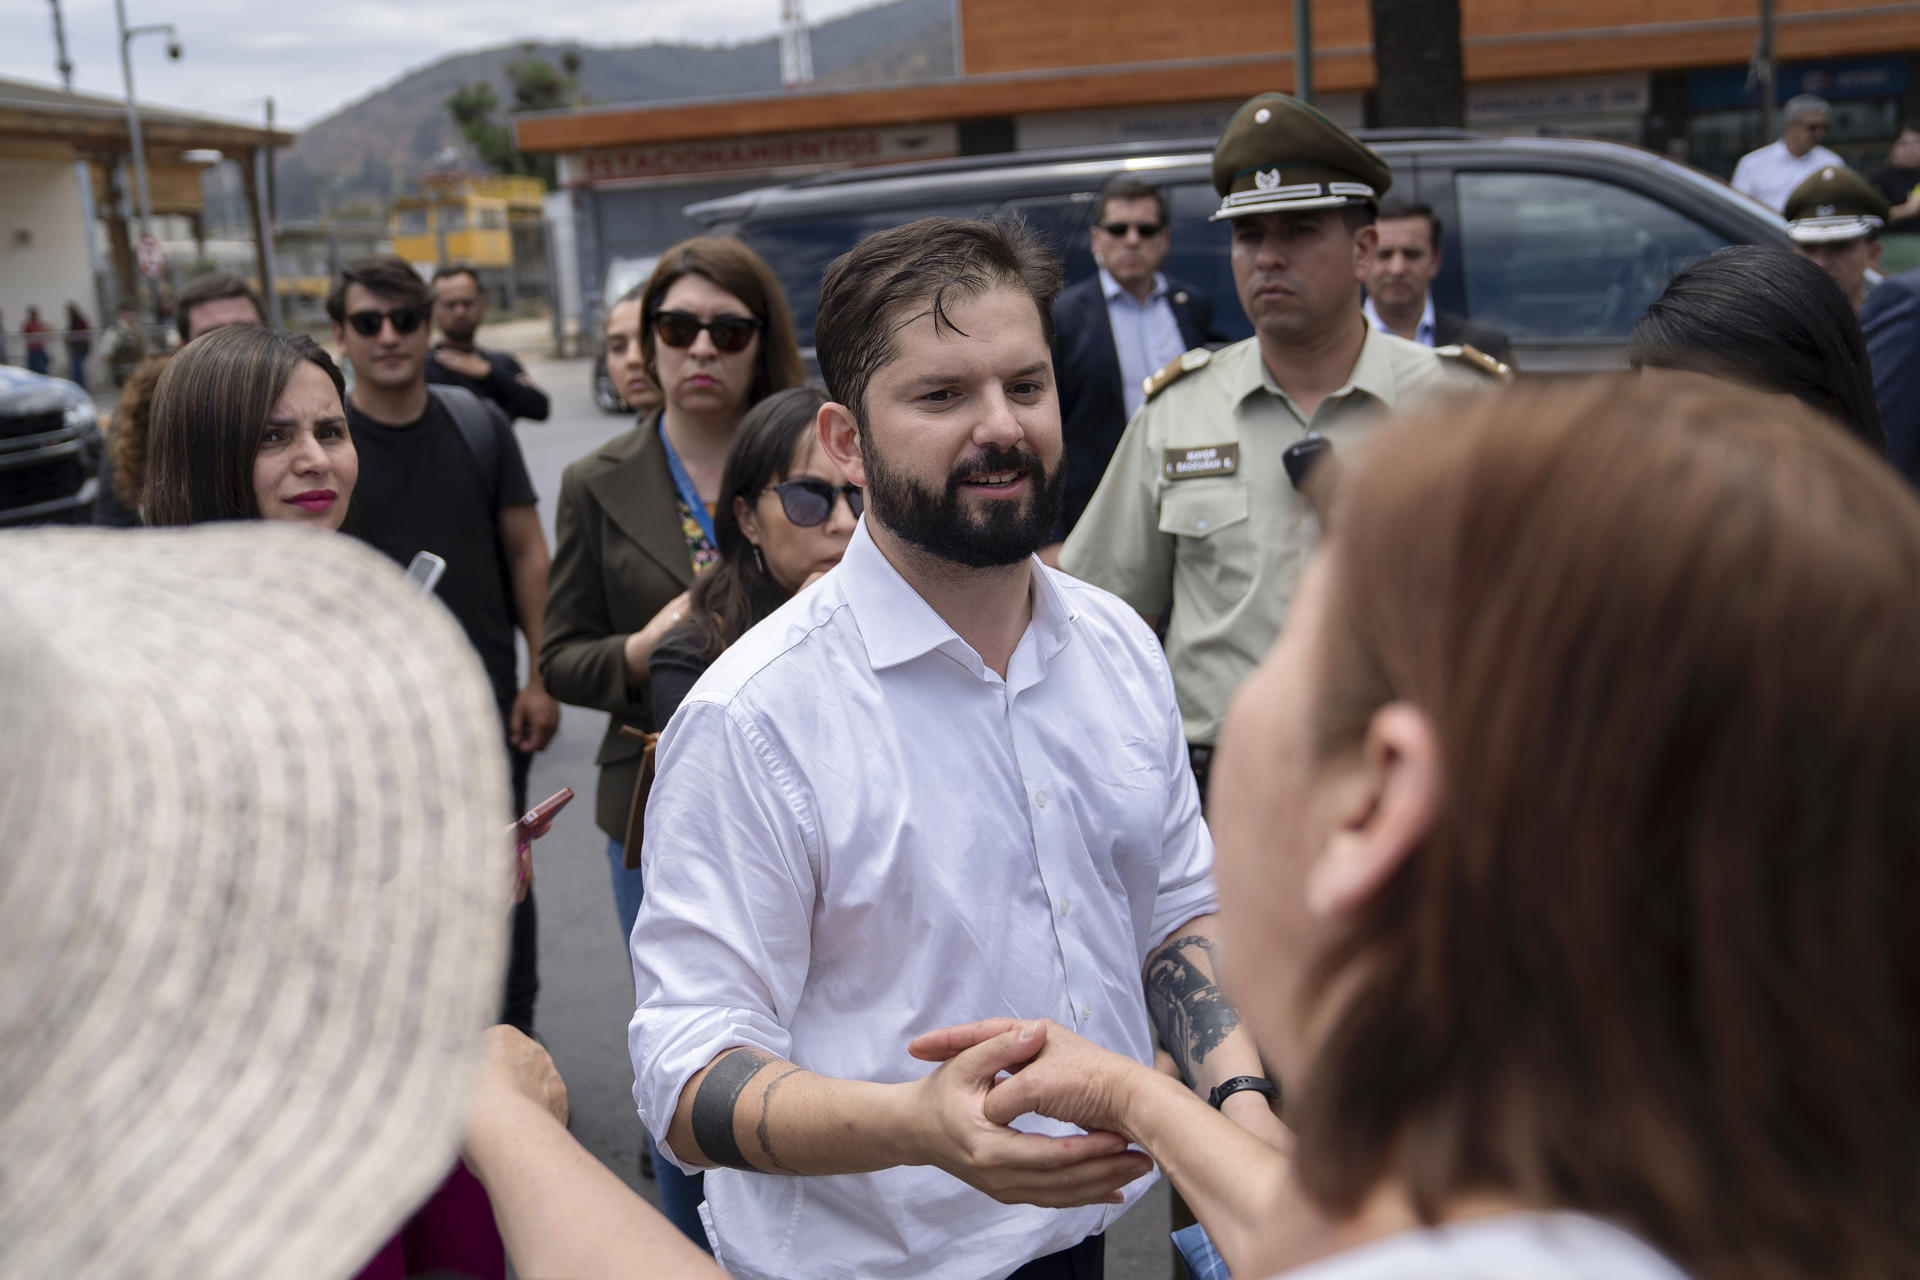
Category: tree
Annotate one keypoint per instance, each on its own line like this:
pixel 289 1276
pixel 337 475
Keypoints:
pixel 1416 59
pixel 537 85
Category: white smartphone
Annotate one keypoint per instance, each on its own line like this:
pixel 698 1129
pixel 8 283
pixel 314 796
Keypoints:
pixel 425 572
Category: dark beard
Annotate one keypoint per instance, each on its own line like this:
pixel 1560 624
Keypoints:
pixel 940 524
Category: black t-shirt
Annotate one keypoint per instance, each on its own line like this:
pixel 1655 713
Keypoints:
pixel 1897 186
pixel 504 384
pixel 420 489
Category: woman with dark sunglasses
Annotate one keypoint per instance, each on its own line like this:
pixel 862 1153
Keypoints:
pixel 786 514
pixel 636 520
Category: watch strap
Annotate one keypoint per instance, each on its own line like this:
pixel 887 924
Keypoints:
pixel 1227 1088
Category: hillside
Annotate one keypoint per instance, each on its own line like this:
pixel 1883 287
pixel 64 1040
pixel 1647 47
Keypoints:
pixel 369 150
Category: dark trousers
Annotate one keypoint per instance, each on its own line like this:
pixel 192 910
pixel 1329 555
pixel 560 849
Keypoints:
pixel 523 957
pixel 1085 1261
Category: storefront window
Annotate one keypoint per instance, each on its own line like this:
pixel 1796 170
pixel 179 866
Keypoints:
pixel 410 222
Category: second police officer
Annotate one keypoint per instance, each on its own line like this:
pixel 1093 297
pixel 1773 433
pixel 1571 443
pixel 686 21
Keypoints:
pixel 1197 514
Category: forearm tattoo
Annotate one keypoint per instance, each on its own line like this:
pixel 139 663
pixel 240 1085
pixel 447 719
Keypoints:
pixel 714 1104
pixel 760 1130
pixel 1185 1003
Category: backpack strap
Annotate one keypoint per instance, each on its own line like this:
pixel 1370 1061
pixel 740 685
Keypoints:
pixel 480 427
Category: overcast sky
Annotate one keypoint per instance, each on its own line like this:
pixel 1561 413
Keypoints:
pixel 316 57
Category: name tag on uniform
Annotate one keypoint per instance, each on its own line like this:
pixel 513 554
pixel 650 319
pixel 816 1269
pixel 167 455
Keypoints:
pixel 1202 460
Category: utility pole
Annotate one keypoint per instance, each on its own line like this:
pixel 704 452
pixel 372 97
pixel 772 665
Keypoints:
pixel 1763 71
pixel 133 115
pixel 1303 50
pixel 264 159
pixel 65 64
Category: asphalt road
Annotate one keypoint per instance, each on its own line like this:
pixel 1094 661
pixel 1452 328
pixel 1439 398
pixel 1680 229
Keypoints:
pixel 586 993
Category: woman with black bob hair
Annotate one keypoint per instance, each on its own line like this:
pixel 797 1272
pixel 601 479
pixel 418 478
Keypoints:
pixel 249 424
pixel 1772 320
pixel 786 515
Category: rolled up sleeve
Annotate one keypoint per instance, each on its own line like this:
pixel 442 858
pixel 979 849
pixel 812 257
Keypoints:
pixel 723 940
pixel 1186 851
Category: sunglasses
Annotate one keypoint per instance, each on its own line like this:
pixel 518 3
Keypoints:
pixel 1147 230
pixel 404 320
pixel 729 333
pixel 808 502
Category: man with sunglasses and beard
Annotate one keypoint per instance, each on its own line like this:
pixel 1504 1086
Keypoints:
pixel 1114 329
pixel 943 782
pixel 440 471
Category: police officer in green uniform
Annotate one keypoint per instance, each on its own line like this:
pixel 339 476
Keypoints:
pixel 1834 217
pixel 1196 513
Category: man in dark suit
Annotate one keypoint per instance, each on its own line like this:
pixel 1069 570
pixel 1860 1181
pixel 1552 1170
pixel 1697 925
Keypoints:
pixel 1400 275
pixel 1114 329
pixel 1891 318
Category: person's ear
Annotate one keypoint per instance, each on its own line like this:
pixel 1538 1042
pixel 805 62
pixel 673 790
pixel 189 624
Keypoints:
pixel 1873 254
pixel 1385 805
pixel 1366 241
pixel 840 437
pixel 339 334
pixel 747 518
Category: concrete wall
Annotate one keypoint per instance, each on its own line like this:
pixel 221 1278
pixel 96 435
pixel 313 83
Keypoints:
pixel 43 247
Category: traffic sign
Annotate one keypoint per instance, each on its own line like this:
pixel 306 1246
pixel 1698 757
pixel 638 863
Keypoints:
pixel 152 258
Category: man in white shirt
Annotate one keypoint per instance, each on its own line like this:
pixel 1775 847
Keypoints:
pixel 1770 174
pixel 944 783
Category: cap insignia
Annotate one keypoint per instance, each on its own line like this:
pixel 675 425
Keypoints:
pixel 1825 210
pixel 1267 179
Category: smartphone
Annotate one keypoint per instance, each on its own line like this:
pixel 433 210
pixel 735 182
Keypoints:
pixel 425 572
pixel 541 814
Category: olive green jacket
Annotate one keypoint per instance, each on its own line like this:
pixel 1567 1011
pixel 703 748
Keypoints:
pixel 620 554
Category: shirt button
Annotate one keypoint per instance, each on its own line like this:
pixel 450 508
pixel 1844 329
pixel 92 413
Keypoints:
pixel 1040 798
pixel 1066 906
pixel 1086 1012
pixel 1201 524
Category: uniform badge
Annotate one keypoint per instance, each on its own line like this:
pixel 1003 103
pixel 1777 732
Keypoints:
pixel 1267 179
pixel 1196 461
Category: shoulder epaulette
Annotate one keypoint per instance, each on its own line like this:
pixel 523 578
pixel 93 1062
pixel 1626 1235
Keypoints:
pixel 1476 359
pixel 1174 370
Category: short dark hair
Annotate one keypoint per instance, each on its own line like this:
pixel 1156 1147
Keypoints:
pixel 736 592
pixel 216 287
pixel 933 261
pixel 731 265
pixel 212 400
pixel 1771 319
pixel 1408 209
pixel 457 269
pixel 1124 186
pixel 387 274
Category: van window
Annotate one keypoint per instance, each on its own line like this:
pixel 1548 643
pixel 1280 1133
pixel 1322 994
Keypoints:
pixel 800 250
pixel 1556 256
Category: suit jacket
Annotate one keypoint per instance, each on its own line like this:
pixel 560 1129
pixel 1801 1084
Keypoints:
pixel 1449 329
pixel 1891 318
pixel 1093 409
pixel 619 556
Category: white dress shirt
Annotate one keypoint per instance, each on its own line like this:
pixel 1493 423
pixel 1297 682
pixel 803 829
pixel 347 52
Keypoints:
pixel 1508 1246
pixel 859 832
pixel 1423 332
pixel 1146 335
pixel 1770 174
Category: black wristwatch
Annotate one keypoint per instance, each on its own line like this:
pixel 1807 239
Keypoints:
pixel 1227 1088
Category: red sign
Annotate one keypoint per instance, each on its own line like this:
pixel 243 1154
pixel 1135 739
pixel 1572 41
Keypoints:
pixel 152 258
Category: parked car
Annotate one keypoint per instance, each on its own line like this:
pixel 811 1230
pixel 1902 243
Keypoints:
pixel 1561 242
pixel 50 446
pixel 622 274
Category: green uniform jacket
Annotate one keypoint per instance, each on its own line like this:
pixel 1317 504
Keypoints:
pixel 1196 512
pixel 619 556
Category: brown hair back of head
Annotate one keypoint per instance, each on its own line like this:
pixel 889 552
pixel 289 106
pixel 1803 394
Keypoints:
pixel 1657 960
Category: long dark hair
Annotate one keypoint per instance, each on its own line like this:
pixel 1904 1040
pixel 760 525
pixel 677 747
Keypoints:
pixel 212 402
pixel 736 592
pixel 729 264
pixel 1773 320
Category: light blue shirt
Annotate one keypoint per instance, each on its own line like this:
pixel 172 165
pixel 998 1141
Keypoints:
pixel 1423 333
pixel 1146 337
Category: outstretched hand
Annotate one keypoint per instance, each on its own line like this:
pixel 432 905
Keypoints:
pixel 1063 1076
pixel 517 1067
pixel 965 1133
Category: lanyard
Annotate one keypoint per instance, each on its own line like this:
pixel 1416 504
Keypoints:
pixel 684 483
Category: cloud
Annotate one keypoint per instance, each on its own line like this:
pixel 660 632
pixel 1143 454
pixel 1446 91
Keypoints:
pixel 316 58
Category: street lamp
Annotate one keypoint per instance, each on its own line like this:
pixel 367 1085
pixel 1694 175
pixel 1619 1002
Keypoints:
pixel 133 116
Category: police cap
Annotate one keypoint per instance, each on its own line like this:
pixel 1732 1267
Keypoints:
pixel 1834 203
pixel 1280 155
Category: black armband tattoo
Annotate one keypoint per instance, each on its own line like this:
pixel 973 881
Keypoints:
pixel 714 1104
pixel 1186 1004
